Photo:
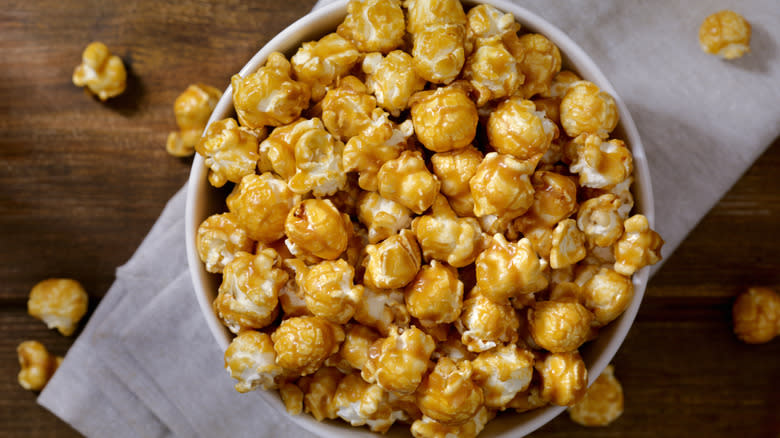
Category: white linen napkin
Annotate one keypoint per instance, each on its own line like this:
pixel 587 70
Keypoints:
pixel 147 365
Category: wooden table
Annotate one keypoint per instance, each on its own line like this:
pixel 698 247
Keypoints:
pixel 81 182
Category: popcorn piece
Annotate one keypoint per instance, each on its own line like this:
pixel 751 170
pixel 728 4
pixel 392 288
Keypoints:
pixel 399 361
pixel 540 62
pixel 501 186
pixel 453 348
pixel 230 152
pixel 601 164
pixel 484 324
pixel 439 52
pixel 248 295
pixel 58 302
pixel 392 79
pixel 393 263
pixel 319 391
pixel 261 204
pixel 559 326
pixel 555 199
pixel 599 219
pixel 277 152
pixel 427 427
pixel 192 109
pixel 269 96
pixel 37 365
pixel 316 227
pixel 585 109
pixel 406 180
pixel 492 71
pixel 529 399
pixel 444 119
pixel 361 403
pixel 102 73
pixel 485 22
pixel 622 191
pixel 291 296
pixel 518 129
pixel 346 199
pixel 251 360
pixel 329 291
pixel 382 310
pixel 292 397
pixel 725 34
pixel 354 349
pixel 561 83
pixel 436 295
pixel 447 393
pixel 638 247
pixel 602 403
pixel 444 236
pixel 509 269
pixel 564 378
pixel 502 373
pixel 318 157
pixel 320 63
pixel 374 25
pixel 756 315
pixel 607 294
pixel 454 169
pixel 422 14
pixel 219 238
pixel 347 108
pixel 302 343
pixel 568 244
pixel 541 241
pixel 383 217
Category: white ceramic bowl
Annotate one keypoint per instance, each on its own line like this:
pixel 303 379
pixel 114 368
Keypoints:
pixel 204 200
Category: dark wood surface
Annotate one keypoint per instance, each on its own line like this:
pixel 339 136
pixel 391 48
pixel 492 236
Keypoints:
pixel 81 182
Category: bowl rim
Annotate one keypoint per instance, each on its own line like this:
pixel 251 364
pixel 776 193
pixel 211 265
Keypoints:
pixel 285 42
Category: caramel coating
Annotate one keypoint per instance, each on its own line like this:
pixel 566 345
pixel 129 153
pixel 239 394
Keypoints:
pixel 454 169
pixel 444 119
pixel 427 427
pixel 422 14
pixel 560 84
pixel 492 71
pixel 277 151
pixel 399 361
pixel 726 34
pixel 529 399
pixel 540 62
pixel 374 25
pixel 250 359
pixel 448 395
pixel 756 315
pixel 192 110
pixel 585 109
pixel 406 180
pixel 445 236
pixel 392 79
pixel 37 365
pixel 607 294
pixel 383 217
pixel 219 238
pixel 382 310
pixel 392 263
pixel 502 373
pixel 229 151
pixel 292 397
pixel 59 302
pixel 329 290
pixel 316 227
pixel 302 343
pixel 261 204
pixel 320 63
pixel 248 295
pixel 600 220
pixel 568 244
pixel 509 269
pixel 555 199
pixel 639 246
pixel 484 324
pixel 485 22
pixel 318 158
pixel 501 186
pixel 102 73
pixel 319 390
pixel 360 403
pixel 564 378
pixel 269 96
pixel 559 327
pixel 602 403
pixel 439 53
pixel 347 108
pixel 518 129
pixel 435 296
pixel 358 340
pixel 601 164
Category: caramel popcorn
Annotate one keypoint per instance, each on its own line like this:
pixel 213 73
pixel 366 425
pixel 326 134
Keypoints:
pixel 540 62
pixel 59 302
pixel 439 52
pixel 529 399
pixel 192 109
pixel 219 238
pixel 320 63
pixel 601 164
pixel 622 191
pixel 561 83
pixel 277 151
pixel 564 378
pixel 501 187
pixel 484 324
pixel 454 169
pixel 383 217
pixel 585 109
pixel 358 340
pixel 292 397
pixel 102 73
pixel 316 227
pixel 509 269
pixel 558 326
pixel 444 119
pixel 435 296
pixel 347 108
pixel 250 359
pixel 318 157
pixel 422 14
pixel 382 309
pixel 360 403
pixel 329 291
pixel 445 236
pixel 568 244
pixel 756 315
pixel 599 219
pixel 638 247
pixel 406 180
pixel 374 25
pixel 492 71
pixel 427 427
pixel 518 129
pixel 302 343
pixel 602 403
pixel 319 390
pixel 269 96
pixel 393 263
pixel 399 361
pixel 555 199
pixel 260 204
pixel 607 294
pixel 448 395
pixel 229 151
pixel 502 373
pixel 37 365
pixel 725 34
pixel 392 79
pixel 485 22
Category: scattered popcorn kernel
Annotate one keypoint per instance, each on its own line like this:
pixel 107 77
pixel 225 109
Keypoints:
pixel 555 199
pixel 602 403
pixel 585 109
pixel 485 22
pixel 269 96
pixel 438 52
pixel 492 71
pixel 540 62
pixel 316 227
pixel 559 327
pixel 394 262
pixel 435 296
pixel 422 14
pixel 319 391
pixel 219 238
pixel 230 151
pixel 601 164
pixel 192 110
pixel 448 394
pixel 484 324
pixel 374 25
pixel 406 180
pixel 568 244
pixel 501 186
pixel 444 119
pixel 399 361
pixel 427 427
pixel 347 108
pixel 564 378
pixel 261 204
pixel 445 236
pixel 529 399
pixel 638 247
pixel 502 373
pixel 392 79
pixel 599 219
pixel 383 217
pixel 320 63
pixel 518 129
pixel 382 310
pixel 302 343
pixel 330 292
pixel 455 168
pixel 292 397
pixel 248 295
pixel 607 294
pixel 59 303
pixel 358 340
pixel 726 34
pixel 360 403
pixel 756 315
pixel 250 359
pixel 37 365
pixel 509 269
pixel 102 73
pixel 561 83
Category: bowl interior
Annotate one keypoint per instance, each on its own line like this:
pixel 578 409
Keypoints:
pixel 204 200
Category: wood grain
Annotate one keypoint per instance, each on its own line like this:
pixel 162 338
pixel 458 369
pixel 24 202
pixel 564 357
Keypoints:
pixel 83 181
